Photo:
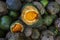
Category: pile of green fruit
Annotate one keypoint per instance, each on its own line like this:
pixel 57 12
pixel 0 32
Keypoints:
pixel 29 19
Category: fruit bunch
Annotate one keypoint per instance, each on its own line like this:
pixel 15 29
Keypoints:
pixel 29 19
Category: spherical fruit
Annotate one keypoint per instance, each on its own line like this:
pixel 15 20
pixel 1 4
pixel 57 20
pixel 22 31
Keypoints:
pixel 13 4
pixel 5 22
pixel 53 8
pixel 30 15
pixel 35 34
pixel 47 35
pixel 15 36
pixel 48 20
pixel 28 31
pixel 54 30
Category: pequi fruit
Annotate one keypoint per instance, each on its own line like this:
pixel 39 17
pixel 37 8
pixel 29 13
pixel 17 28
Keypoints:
pixel 13 14
pixel 15 36
pixel 3 8
pixel 30 15
pixel 28 31
pixel 13 4
pixel 35 34
pixel 53 8
pixel 57 23
pixel 58 1
pixel 54 30
pixel 5 22
pixel 17 27
pixel 40 7
pixel 47 38
pixel 47 35
pixel 48 20
pixel 44 2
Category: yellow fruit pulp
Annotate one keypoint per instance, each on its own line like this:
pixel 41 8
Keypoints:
pixel 31 15
pixel 17 28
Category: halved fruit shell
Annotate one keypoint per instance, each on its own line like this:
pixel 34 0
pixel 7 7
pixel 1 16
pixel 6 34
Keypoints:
pixel 30 14
pixel 17 27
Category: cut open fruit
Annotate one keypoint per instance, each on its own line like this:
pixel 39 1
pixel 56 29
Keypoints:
pixel 17 27
pixel 30 14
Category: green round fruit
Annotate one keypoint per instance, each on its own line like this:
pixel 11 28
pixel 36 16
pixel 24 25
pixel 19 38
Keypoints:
pixel 48 20
pixel 35 34
pixel 15 36
pixel 13 4
pixel 47 35
pixel 28 31
pixel 5 22
pixel 54 30
pixel 53 8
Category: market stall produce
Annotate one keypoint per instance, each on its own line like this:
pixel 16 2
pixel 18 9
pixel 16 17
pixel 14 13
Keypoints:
pixel 29 19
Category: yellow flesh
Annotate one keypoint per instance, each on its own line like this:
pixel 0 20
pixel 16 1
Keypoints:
pixel 17 28
pixel 31 15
